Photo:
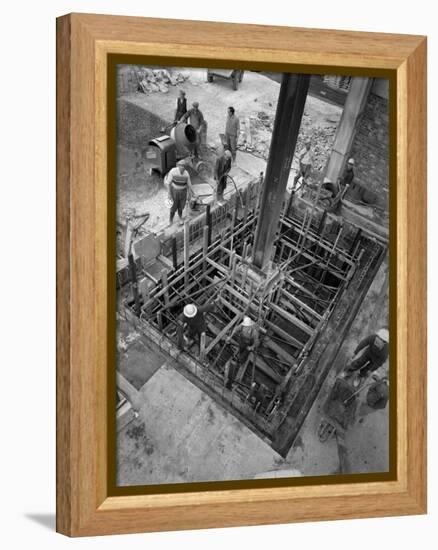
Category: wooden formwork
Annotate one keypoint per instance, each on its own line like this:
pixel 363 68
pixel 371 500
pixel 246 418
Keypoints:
pixel 318 277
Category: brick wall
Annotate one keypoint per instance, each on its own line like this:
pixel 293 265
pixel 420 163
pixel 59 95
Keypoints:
pixel 370 148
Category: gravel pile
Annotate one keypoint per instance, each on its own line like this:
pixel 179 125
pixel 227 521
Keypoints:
pixel 158 80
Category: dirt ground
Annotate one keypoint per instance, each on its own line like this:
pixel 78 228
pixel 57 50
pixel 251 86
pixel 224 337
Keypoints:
pixel 138 191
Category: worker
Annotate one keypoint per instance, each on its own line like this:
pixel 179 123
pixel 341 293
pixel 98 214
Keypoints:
pixel 181 106
pixel 232 130
pixel 248 338
pixel 348 175
pixel 374 352
pixel 378 393
pixel 196 119
pixel 179 183
pixel 306 162
pixel 221 171
pixel 192 321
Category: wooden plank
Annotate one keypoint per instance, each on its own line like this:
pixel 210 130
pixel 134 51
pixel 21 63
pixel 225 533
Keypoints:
pixel 276 348
pixel 266 369
pixel 292 319
pixel 285 335
pixel 300 304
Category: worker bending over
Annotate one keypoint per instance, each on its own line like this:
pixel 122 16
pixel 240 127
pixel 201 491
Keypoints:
pixel 179 182
pixel 196 119
pixel 373 352
pixel 221 171
pixel 192 322
pixel 247 337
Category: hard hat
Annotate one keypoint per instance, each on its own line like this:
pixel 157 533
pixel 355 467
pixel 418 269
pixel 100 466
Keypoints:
pixel 227 153
pixel 190 310
pixel 195 104
pixel 351 161
pixel 327 180
pixel 181 163
pixel 168 202
pixel 247 322
pixel 383 334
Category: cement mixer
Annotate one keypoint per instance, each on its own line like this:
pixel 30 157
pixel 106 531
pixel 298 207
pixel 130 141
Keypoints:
pixel 164 151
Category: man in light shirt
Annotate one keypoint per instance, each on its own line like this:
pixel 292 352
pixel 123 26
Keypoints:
pixel 306 162
pixel 232 130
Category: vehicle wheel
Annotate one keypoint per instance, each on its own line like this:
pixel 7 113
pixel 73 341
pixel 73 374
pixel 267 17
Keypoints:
pixel 235 81
pixel 209 77
pixel 241 76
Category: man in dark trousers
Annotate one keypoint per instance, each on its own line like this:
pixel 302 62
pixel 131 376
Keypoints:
pixel 221 171
pixel 181 106
pixel 196 119
pixel 248 338
pixel 348 174
pixel 232 130
pixel 179 183
pixel 192 322
pixel 370 354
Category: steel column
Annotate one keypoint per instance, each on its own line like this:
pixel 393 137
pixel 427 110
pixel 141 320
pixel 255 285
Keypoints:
pixel 290 109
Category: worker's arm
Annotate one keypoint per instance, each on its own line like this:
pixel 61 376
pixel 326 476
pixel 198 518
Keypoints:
pixel 189 185
pixel 365 342
pixel 237 128
pixel 185 116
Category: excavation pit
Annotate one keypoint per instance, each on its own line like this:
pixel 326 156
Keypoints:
pixel 302 304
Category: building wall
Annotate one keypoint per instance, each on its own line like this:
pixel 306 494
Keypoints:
pixel 370 148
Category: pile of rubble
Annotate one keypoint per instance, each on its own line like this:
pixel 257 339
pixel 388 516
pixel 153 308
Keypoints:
pixel 158 80
pixel 256 132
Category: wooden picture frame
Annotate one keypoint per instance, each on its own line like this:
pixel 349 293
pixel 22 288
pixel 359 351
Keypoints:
pixel 84 505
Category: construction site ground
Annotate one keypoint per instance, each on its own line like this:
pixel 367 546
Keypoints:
pixel 183 435
pixel 140 191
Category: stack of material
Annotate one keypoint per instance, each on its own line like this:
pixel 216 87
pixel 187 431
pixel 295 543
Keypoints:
pixel 158 80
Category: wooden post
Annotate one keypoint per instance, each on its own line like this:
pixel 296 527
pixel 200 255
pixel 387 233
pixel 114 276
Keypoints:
pixel 133 271
pixel 186 252
pixel 174 254
pixel 208 220
pixel 165 284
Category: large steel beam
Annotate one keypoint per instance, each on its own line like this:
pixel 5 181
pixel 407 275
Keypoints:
pixel 290 109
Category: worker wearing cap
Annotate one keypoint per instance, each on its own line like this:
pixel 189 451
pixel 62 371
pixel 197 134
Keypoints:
pixel 348 175
pixel 192 320
pixel 232 130
pixel 221 171
pixel 374 352
pixel 181 106
pixel 179 183
pixel 196 119
pixel 306 162
pixel 247 337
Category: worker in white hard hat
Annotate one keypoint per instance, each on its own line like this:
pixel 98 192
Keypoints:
pixel 348 175
pixel 370 354
pixel 179 184
pixel 192 322
pixel 247 336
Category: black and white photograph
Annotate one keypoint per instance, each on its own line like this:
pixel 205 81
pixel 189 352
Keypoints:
pixel 252 273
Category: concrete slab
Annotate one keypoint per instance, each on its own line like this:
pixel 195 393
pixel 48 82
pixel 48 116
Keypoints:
pixel 182 435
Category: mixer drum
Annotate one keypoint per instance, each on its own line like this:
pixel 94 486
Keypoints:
pixel 184 136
